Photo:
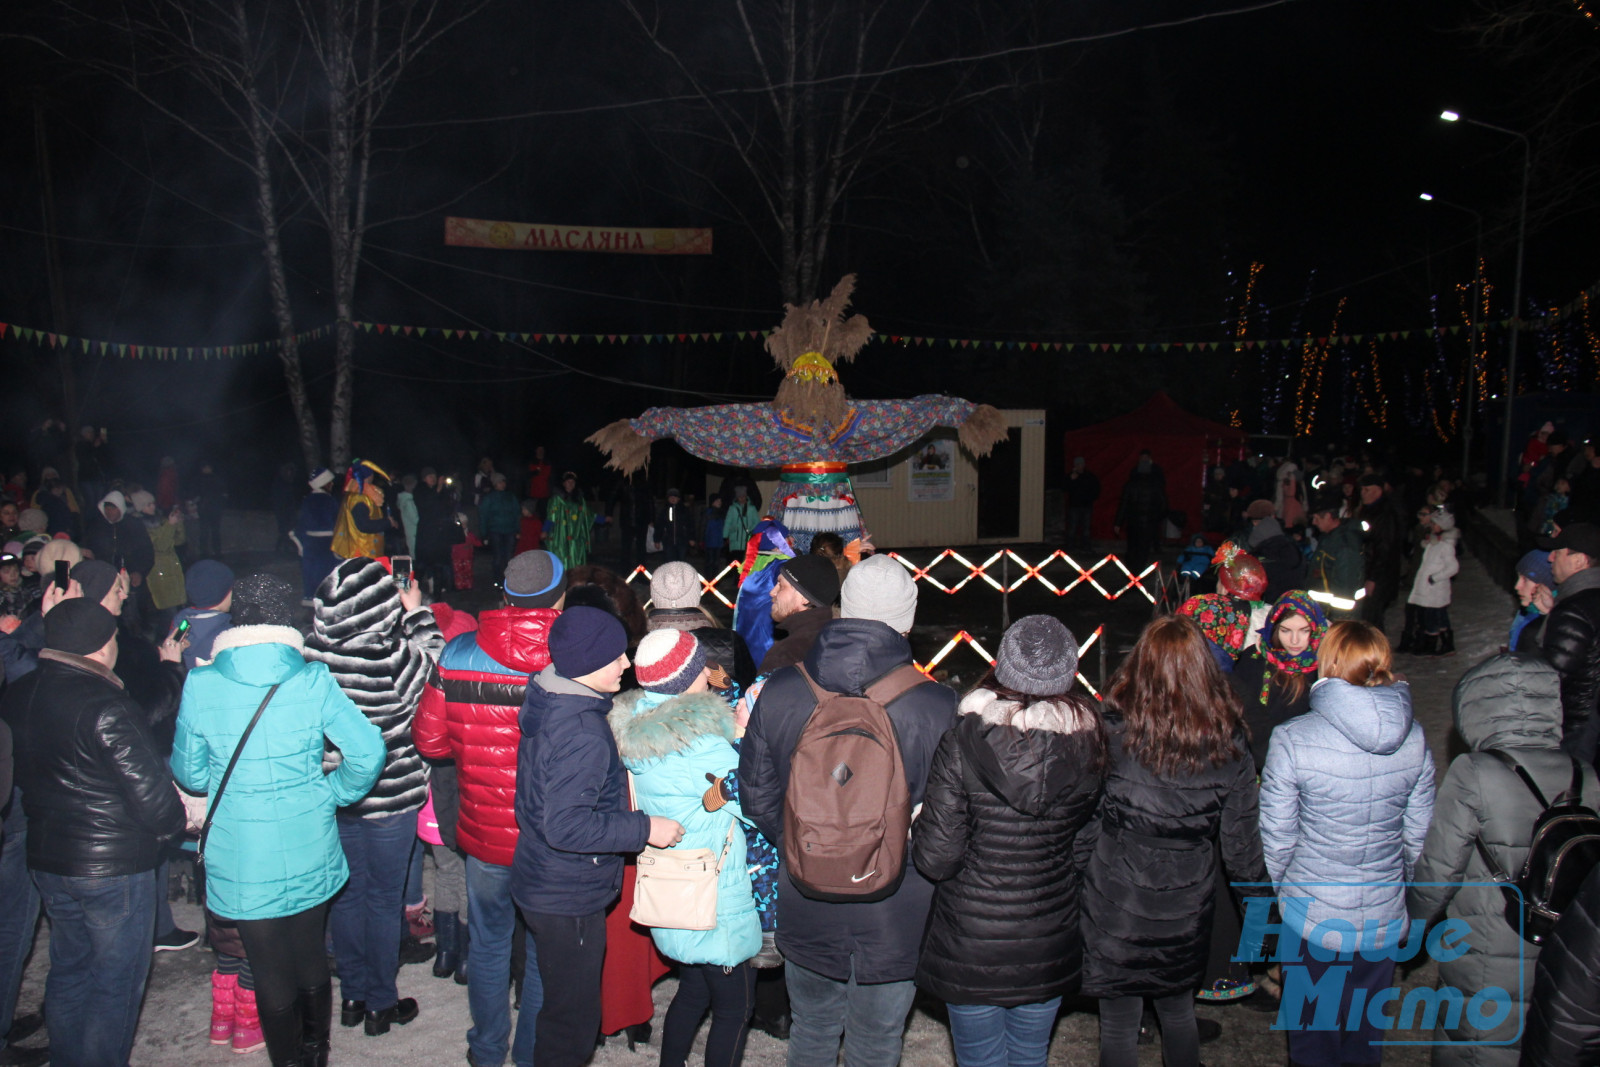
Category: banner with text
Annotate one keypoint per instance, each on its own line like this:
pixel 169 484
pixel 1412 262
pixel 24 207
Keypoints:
pixel 541 237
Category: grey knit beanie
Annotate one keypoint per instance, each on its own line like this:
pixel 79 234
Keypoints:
pixel 675 586
pixel 1038 657
pixel 879 588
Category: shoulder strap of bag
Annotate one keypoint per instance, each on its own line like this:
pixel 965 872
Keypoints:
pixel 733 824
pixel 895 684
pixel 1527 779
pixel 816 690
pixel 216 798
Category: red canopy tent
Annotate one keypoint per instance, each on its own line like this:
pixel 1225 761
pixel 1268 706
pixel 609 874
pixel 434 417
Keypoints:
pixel 1184 446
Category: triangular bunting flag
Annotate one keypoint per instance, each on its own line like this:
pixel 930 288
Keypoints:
pixel 473 334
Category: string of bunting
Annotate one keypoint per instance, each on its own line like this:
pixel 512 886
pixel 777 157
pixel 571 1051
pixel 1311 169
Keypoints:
pixel 131 350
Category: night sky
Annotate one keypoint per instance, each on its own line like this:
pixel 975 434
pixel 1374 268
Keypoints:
pixel 1168 160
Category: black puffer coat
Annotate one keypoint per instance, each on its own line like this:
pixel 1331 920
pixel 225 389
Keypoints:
pixel 999 834
pixel 1149 889
pixel 1570 639
pixel 1564 1012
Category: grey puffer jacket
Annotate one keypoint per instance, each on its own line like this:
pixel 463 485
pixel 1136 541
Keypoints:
pixel 1509 703
pixel 1346 797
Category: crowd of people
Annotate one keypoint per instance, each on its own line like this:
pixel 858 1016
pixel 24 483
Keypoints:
pixel 786 812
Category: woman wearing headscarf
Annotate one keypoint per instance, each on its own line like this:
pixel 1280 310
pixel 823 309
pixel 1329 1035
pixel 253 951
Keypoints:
pixel 1223 621
pixel 378 642
pixel 273 858
pixel 1273 682
pixel 569 523
pixel 1274 679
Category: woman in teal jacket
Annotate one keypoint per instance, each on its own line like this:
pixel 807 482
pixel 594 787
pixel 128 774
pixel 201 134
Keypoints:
pixel 674 735
pixel 273 858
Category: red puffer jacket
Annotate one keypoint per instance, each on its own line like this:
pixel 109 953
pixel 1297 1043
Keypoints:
pixel 469 714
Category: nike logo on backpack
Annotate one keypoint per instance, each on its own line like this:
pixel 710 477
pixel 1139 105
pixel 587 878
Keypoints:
pixel 863 877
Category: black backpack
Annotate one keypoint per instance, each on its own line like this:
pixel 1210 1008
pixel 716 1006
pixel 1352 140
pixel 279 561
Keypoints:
pixel 1564 849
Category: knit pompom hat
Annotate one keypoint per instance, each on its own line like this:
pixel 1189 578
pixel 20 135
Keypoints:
pixel 668 661
pixel 1038 657
pixel 675 586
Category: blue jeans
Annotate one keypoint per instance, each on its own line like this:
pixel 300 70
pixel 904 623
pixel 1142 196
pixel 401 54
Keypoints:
pixel 99 960
pixel 368 917
pixel 19 918
pixel 987 1036
pixel 871 1019
pixel 492 922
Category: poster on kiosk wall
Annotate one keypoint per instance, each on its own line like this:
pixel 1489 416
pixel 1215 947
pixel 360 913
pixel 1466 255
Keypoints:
pixel 933 472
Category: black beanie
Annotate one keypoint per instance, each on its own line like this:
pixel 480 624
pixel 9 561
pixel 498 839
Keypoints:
pixel 96 577
pixel 79 626
pixel 813 577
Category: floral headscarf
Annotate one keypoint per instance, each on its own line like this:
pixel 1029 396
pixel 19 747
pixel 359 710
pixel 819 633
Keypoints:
pixel 1239 574
pixel 1294 602
pixel 1222 619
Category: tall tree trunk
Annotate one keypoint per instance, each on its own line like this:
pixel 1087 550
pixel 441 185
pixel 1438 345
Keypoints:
pixel 272 253
pixel 340 238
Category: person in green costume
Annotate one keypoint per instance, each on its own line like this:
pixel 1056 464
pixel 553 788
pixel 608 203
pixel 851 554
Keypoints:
pixel 569 523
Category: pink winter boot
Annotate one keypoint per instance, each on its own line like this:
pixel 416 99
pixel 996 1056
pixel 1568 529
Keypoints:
pixel 246 1023
pixel 223 988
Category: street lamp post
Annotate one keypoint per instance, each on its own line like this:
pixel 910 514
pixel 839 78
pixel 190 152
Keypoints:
pixel 1472 355
pixel 1516 289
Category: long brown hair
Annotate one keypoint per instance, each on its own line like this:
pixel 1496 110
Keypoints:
pixel 1092 741
pixel 1180 712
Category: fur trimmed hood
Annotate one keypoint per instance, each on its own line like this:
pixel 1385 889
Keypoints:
pixel 1026 757
pixel 1059 718
pixel 648 731
pixel 242 636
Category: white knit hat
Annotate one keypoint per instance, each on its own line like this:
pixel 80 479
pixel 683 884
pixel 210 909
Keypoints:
pixel 675 585
pixel 879 588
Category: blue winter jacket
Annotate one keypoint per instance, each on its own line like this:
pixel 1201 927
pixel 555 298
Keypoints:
pixel 572 802
pixel 274 848
pixel 1346 797
pixel 671 744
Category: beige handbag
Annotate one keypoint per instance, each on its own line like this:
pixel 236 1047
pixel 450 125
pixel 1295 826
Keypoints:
pixel 676 888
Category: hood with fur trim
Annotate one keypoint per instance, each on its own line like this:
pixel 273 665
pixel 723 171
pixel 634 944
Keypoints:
pixel 1026 756
pixel 648 729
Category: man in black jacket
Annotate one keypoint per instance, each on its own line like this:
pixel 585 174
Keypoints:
pixel 848 962
pixel 1570 637
pixel 101 804
pixel 435 530
pixel 1142 511
pixel 1383 538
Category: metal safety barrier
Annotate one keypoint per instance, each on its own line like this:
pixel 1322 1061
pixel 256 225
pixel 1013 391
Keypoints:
pixel 1027 572
pixel 1032 572
pixel 962 637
